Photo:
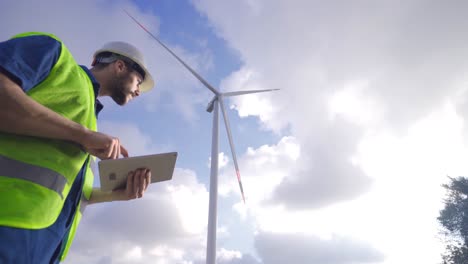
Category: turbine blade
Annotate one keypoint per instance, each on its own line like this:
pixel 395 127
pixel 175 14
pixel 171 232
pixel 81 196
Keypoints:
pixel 207 85
pixel 231 143
pixel 248 92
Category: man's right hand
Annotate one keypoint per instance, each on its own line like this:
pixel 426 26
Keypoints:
pixel 103 146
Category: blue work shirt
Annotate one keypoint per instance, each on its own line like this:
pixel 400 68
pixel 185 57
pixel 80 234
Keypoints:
pixel 28 61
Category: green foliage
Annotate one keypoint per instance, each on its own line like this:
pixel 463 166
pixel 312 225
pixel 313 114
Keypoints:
pixel 454 219
pixel 455 254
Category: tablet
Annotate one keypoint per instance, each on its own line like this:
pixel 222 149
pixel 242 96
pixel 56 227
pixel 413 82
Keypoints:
pixel 113 173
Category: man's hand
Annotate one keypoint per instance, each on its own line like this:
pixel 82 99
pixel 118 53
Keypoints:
pixel 137 183
pixel 103 146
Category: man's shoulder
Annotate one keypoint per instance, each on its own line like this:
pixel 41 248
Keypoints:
pixel 35 42
pixel 37 39
pixel 29 57
pixel 37 35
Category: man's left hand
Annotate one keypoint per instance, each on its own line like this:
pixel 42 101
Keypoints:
pixel 137 183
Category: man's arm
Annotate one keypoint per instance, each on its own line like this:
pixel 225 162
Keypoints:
pixel 137 183
pixel 19 114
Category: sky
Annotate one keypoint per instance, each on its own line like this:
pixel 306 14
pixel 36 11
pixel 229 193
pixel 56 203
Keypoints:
pixel 343 165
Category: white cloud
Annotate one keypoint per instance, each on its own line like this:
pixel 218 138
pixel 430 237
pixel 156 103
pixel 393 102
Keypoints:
pixel 404 201
pixel 132 255
pixel 313 55
pixel 165 255
pixel 354 75
pixel 132 138
pixel 222 160
pixel 227 255
pixel 166 226
pixel 353 104
pixel 302 249
pixel 191 201
pixel 261 170
pixel 252 105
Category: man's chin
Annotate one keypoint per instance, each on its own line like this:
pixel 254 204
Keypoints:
pixel 120 101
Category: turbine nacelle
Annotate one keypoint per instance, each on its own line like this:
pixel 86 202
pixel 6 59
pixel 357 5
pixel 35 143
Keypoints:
pixel 210 106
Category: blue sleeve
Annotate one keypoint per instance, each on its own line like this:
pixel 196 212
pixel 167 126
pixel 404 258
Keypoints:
pixel 28 60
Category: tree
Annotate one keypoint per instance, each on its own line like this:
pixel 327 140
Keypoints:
pixel 454 220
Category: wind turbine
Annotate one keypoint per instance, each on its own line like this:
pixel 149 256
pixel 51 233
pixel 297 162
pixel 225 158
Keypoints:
pixel 213 106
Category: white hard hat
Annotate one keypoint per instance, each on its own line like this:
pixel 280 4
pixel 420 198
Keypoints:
pixel 132 53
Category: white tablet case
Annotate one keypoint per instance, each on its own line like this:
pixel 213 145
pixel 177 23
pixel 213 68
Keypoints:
pixel 113 173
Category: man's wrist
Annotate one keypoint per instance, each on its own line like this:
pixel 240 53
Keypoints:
pixel 79 134
pixel 99 196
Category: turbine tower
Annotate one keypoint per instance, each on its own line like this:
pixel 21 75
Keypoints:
pixel 213 106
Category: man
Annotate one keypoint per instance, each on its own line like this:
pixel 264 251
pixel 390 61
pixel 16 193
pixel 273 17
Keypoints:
pixel 48 112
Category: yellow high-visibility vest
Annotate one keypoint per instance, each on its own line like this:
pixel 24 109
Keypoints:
pixel 36 174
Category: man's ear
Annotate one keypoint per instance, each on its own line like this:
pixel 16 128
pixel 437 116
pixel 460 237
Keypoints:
pixel 120 65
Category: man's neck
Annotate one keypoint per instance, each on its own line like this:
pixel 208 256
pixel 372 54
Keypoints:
pixel 100 77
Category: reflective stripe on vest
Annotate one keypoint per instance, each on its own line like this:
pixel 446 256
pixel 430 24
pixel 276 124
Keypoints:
pixel 45 177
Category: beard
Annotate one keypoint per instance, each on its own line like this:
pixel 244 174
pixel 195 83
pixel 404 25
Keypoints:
pixel 118 89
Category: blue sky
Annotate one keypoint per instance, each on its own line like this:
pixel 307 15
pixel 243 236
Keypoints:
pixel 343 165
